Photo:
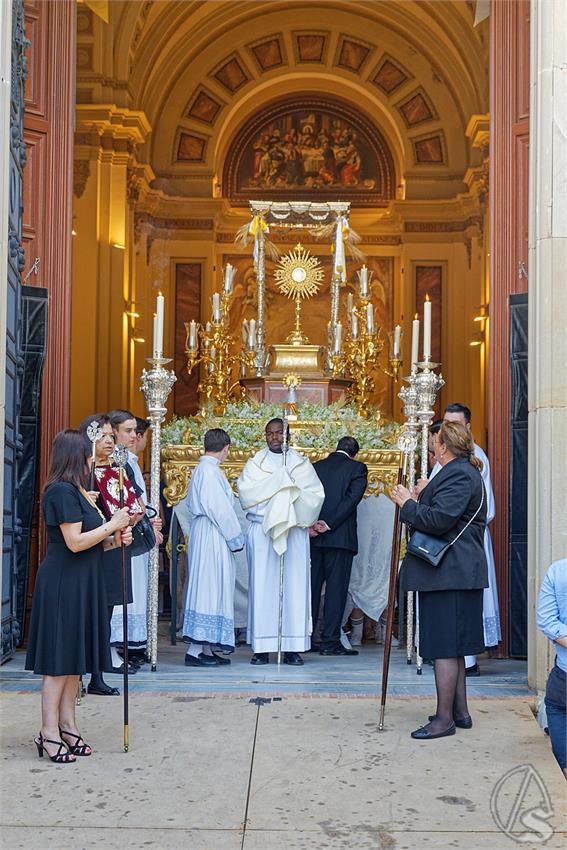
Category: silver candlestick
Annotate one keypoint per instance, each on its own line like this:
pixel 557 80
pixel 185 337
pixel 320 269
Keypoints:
pixel 156 387
pixel 428 384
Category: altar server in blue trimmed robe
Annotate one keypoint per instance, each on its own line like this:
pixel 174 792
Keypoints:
pixel 214 535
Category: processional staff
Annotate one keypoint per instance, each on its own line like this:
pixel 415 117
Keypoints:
pixel 121 459
pixel 94 433
pixel 285 447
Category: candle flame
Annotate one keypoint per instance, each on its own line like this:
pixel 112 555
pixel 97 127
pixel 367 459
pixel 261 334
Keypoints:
pixel 416 316
pixel 160 293
pixel 426 297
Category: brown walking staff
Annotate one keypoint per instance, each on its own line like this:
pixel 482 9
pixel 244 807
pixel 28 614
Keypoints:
pixel 394 561
pixel 121 458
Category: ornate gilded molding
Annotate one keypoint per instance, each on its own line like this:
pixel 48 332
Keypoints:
pixel 81 173
pixel 179 461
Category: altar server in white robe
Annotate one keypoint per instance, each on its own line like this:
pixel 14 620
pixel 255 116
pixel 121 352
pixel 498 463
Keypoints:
pixel 490 611
pixel 281 502
pixel 137 609
pixel 214 535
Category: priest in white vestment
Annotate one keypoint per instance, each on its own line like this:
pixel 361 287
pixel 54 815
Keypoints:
pixel 214 535
pixel 281 501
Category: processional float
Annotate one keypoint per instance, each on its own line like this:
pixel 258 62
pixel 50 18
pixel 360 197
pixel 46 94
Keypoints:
pixel 350 357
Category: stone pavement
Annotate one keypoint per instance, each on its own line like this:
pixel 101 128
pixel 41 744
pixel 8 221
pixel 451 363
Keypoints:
pixel 213 767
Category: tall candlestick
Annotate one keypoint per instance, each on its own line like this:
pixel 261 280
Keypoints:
pixel 414 341
pixel 158 327
pixel 228 278
pixel 370 318
pixel 338 333
pixel 354 325
pixel 427 329
pixel 252 334
pixel 397 339
pixel 363 278
pixel 216 307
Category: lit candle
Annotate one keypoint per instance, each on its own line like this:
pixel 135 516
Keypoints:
pixel 349 303
pixel 192 335
pixel 397 339
pixel 154 336
pixel 228 278
pixel 363 278
pixel 338 337
pixel 216 308
pixel 252 334
pixel 354 325
pixel 370 318
pixel 158 327
pixel 427 329
pixel 414 341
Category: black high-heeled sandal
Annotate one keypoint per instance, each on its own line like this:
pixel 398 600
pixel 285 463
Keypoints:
pixel 76 749
pixel 59 757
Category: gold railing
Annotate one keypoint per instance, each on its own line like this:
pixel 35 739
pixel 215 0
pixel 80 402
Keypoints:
pixel 179 461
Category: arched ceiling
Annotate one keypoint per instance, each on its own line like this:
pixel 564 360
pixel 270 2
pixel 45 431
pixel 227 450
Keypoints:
pixel 198 70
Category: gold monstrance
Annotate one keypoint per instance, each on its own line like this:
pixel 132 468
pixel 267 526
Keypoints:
pixel 298 276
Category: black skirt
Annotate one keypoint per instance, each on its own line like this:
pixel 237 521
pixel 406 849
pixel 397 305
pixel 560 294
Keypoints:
pixel 450 623
pixel 112 568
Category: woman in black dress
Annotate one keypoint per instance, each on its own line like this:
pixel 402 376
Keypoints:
pixel 450 595
pixel 69 621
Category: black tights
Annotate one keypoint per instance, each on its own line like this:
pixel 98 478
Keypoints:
pixel 96 678
pixel 450 683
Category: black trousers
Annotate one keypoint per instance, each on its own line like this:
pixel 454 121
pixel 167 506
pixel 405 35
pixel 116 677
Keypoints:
pixel 332 566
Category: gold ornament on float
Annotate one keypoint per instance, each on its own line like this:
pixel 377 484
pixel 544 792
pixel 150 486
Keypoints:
pixel 299 275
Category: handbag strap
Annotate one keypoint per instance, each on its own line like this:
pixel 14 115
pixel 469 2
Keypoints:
pixel 462 531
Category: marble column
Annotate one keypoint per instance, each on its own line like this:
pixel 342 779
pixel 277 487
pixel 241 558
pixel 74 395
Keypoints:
pixel 547 348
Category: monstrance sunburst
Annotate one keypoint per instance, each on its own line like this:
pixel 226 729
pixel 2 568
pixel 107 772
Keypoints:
pixel 299 275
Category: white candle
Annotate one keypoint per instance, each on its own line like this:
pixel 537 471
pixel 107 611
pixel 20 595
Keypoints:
pixel 158 327
pixel 216 307
pixel 397 339
pixel 363 278
pixel 414 341
pixel 349 303
pixel 252 334
pixel 427 328
pixel 208 327
pixel 370 318
pixel 213 356
pixel 192 335
pixel 354 325
pixel 228 278
pixel 338 337
pixel 154 336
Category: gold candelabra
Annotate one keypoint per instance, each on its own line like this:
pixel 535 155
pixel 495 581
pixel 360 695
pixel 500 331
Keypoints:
pixel 211 347
pixel 360 356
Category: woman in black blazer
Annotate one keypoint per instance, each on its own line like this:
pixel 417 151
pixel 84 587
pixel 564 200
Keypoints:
pixel 450 595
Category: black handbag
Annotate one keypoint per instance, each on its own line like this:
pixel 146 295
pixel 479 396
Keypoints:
pixel 431 549
pixel 143 535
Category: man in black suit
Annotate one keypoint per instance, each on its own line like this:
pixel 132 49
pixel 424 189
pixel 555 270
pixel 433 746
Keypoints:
pixel 334 541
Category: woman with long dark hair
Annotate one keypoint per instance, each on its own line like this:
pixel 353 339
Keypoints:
pixel 69 632
pixel 452 506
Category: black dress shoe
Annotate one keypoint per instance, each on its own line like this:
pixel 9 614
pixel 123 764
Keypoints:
pixel 293 658
pixel 464 723
pixel 201 660
pixel 472 671
pixel 103 690
pixel 423 734
pixel 221 659
pixel 131 670
pixel 339 650
pixel 260 658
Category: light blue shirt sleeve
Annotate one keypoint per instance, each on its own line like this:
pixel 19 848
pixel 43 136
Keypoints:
pixel 552 607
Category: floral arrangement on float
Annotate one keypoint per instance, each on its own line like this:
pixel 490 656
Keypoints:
pixel 316 426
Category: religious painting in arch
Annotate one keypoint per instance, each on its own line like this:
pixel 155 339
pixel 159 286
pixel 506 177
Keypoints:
pixel 310 149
